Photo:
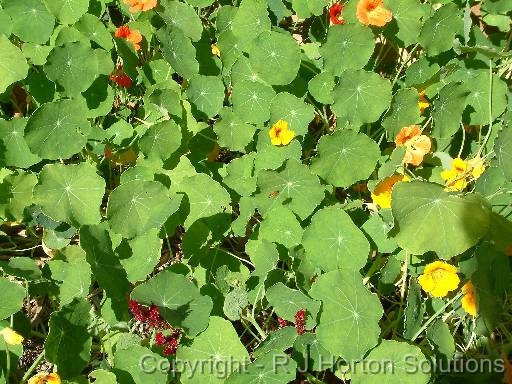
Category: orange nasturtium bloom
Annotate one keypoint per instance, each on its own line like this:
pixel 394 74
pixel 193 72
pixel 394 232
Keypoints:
pixel 132 35
pixel 439 278
pixel 372 12
pixel 140 5
pixel 423 102
pixel 416 144
pixel 456 178
pixel 381 195
pixel 11 336
pixel 469 300
pixel 280 134
pixel 45 378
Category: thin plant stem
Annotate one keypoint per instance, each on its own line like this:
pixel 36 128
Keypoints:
pixel 488 134
pixel 33 367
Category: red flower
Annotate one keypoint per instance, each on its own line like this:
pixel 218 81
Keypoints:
pixel 108 153
pixel 335 13
pixel 120 78
pixel 160 339
pixel 282 322
pixel 171 347
pixel 300 321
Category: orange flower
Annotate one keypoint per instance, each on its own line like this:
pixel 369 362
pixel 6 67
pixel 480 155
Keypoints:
pixel 417 145
pixel 43 378
pixel 132 35
pixel 140 5
pixel 372 12
pixel 469 300
pixel 381 195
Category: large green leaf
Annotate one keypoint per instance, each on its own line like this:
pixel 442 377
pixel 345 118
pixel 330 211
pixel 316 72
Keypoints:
pixel 448 109
pixel 16 152
pixel 31 20
pixel 219 344
pixel 68 11
pixel 350 314
pixel 232 131
pixel 250 20
pixel 182 16
pixel 439 30
pixel 11 297
pixel 294 187
pixel 503 150
pixel 178 299
pixel 430 219
pixel 252 101
pixel 345 157
pixel 275 57
pixel 178 51
pixel 478 99
pixel 265 370
pixel 398 362
pixel 332 241
pixel 206 197
pixel 161 140
pixel 75 66
pixel 361 97
pixel 282 227
pixel 206 93
pixel 404 111
pixel 137 206
pixel 132 364
pixel 408 15
pixel 53 130
pixel 74 279
pixel 68 344
pixel 321 87
pixel 13 65
pixel 16 194
pixel 348 47
pixel 70 193
pixel 95 30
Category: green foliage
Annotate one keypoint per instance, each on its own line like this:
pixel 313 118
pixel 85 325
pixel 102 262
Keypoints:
pixel 151 206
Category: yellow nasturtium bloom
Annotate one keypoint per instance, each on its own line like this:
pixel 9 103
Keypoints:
pixel 45 378
pixel 439 278
pixel 469 300
pixel 461 172
pixel 381 195
pixel 215 50
pixel 11 336
pixel 280 134
pixel 423 102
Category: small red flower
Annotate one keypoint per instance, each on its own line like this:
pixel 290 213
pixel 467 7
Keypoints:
pixel 120 78
pixel 108 152
pixel 171 347
pixel 300 321
pixel 160 339
pixel 335 12
pixel 282 322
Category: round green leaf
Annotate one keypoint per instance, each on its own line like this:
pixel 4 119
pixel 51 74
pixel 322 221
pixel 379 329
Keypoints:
pixel 182 16
pixel 68 11
pixel 361 97
pixel 345 157
pixel 252 101
pixel 478 99
pixel 503 150
pixel 75 66
pixel 275 57
pixel 250 20
pixel 94 29
pixel 206 93
pixel 219 342
pixel 31 21
pixel 137 206
pixel 408 15
pixel 232 131
pixel 52 132
pixel 430 219
pixel 161 140
pixel 348 47
pixel 16 152
pixel 404 111
pixel 13 65
pixel 206 197
pixel 11 297
pixel 282 227
pixel 321 87
pixel 238 174
pixel 70 193
pixel 333 241
pixel 349 321
pixel 448 109
pixel 439 30
pixel 400 363
pixel 16 194
pixel 127 365
pixel 178 51
pixel 99 97
pixel 265 370
pixel 296 112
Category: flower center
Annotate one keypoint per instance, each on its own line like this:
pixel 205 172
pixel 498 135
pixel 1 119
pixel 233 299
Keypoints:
pixel 438 274
pixel 278 132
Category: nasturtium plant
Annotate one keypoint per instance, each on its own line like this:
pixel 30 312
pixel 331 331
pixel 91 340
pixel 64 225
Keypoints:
pixel 255 191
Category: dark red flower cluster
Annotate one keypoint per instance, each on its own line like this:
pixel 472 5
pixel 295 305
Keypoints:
pixel 335 12
pixel 300 321
pixel 170 342
pixel 282 322
pixel 121 78
pixel 147 315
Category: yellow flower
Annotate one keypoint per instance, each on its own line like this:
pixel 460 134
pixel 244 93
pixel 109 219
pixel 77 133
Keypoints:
pixel 11 336
pixel 462 172
pixel 423 102
pixel 439 278
pixel 280 134
pixel 45 378
pixel 381 195
pixel 469 299
pixel 215 50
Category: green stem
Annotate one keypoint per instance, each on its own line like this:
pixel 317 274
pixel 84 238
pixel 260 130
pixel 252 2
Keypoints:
pixel 33 367
pixel 434 316
pixel 404 64
pixel 482 145
pixel 8 361
pixel 253 321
